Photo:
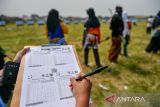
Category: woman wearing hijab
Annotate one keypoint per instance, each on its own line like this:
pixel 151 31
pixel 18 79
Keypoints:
pixel 56 28
pixel 91 37
pixel 117 30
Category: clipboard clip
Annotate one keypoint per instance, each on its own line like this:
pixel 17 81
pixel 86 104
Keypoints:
pixel 46 45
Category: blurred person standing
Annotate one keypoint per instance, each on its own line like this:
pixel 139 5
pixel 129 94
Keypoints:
pixel 149 24
pixel 154 44
pixel 117 27
pixel 126 33
pixel 56 28
pixel 91 36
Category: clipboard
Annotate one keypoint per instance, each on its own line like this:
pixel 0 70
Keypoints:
pixel 15 102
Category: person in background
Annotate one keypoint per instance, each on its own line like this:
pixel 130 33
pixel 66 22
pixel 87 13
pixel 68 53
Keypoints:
pixel 2 56
pixel 117 27
pixel 129 25
pixel 91 37
pixel 6 90
pixel 154 44
pixel 81 89
pixel 149 24
pixel 56 28
pixel 126 33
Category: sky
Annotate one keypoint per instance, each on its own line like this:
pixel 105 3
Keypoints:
pixel 77 7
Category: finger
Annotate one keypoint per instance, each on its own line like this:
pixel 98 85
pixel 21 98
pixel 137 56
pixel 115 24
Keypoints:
pixel 24 50
pixel 86 80
pixel 70 85
pixel 78 75
pixel 72 80
pixel 27 48
pixel 82 73
pixel 20 54
pixel 71 88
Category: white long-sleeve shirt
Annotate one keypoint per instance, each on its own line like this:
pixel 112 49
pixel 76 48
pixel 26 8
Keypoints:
pixel 125 21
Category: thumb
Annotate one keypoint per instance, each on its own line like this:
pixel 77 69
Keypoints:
pixel 72 80
pixel 24 50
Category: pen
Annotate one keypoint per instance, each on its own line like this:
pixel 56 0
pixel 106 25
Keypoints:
pixel 92 73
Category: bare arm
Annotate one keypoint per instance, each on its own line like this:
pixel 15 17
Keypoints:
pixel 64 28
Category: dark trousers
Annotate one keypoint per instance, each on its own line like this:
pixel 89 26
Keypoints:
pixel 96 56
pixel 125 45
pixel 148 30
pixel 125 50
pixel 154 45
pixel 5 92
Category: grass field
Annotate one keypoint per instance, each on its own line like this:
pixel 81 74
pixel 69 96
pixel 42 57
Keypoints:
pixel 139 73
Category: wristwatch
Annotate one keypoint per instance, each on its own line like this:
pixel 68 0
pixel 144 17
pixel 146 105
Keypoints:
pixel 10 72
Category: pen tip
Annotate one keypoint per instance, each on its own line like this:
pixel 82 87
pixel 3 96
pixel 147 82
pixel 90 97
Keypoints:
pixel 102 68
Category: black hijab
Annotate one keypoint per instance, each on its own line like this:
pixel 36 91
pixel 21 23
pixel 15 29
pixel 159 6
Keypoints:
pixel 119 10
pixel 92 20
pixel 53 20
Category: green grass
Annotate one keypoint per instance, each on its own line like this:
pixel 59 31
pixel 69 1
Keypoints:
pixel 139 72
